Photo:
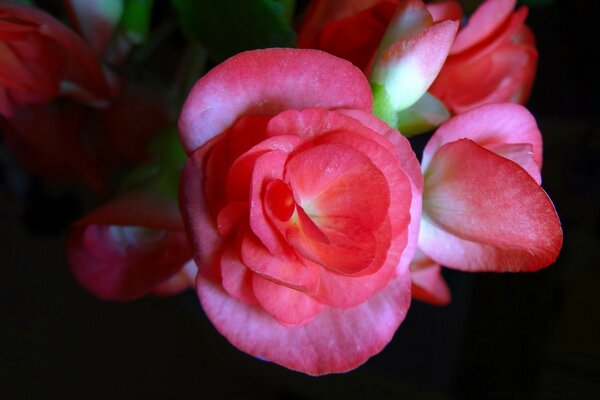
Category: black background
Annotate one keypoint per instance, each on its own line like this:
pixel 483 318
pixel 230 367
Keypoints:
pixel 504 336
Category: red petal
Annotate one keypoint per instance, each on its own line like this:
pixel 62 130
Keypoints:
pixel 336 340
pixel 268 82
pixel 482 198
pixel 489 126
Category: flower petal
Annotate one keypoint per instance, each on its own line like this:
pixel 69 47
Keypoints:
pixel 289 306
pixel 488 17
pixel 408 67
pixel 488 126
pixel 267 82
pixel 336 340
pixel 489 201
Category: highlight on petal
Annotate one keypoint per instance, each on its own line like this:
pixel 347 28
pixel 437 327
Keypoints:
pixel 408 67
pixel 266 82
pixel 483 212
pixel 335 340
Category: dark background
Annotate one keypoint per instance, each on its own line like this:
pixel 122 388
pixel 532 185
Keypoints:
pixel 504 336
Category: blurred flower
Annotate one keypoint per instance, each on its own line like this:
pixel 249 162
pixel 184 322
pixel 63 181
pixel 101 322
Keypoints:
pixel 133 246
pixel 40 59
pixel 302 222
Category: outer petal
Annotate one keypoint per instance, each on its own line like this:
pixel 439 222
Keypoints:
pixel 489 126
pixel 267 82
pixel 442 10
pixel 490 202
pixel 336 340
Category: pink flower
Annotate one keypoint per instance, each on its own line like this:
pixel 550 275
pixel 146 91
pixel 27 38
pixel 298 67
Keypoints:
pixel 132 246
pixel 492 60
pixel 302 209
pixel 41 58
pixel 483 207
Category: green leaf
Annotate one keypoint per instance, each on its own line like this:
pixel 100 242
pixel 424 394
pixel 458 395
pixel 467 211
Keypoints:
pixel 228 27
pixel 136 19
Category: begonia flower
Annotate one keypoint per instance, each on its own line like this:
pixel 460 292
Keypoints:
pixel 492 60
pixel 302 209
pixel 483 207
pixel 41 58
pixel 130 247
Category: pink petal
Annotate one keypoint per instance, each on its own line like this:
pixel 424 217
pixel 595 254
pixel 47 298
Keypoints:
pixel 342 291
pixel 115 269
pixel 266 82
pixel 484 199
pixel 204 237
pixel 485 20
pixel 489 126
pixel 289 306
pixel 335 340
pixel 236 277
pixel 428 284
pixel 409 66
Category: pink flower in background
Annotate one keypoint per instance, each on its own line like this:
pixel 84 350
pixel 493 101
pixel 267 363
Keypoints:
pixel 40 58
pixel 302 209
pixel 493 58
pixel 132 246
pixel 483 207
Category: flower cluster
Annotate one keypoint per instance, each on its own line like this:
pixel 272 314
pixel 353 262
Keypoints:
pixel 303 217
